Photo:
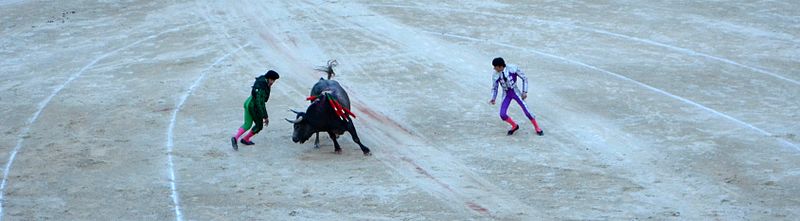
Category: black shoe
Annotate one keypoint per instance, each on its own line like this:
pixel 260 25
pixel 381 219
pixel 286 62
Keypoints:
pixel 511 132
pixel 246 142
pixel 233 143
pixel 540 133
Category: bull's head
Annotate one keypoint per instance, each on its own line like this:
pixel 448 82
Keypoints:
pixel 302 129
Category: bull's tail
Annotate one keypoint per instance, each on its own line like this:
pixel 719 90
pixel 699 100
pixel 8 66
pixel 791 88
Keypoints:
pixel 329 68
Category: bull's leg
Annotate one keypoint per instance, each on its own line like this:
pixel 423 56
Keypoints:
pixel 352 130
pixel 336 148
pixel 316 141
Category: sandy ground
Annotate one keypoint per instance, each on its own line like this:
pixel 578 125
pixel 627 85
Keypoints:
pixel 122 110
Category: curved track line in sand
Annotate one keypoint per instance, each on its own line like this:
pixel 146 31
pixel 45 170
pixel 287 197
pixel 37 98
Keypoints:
pixel 578 63
pixel 609 33
pixel 170 129
pixel 43 104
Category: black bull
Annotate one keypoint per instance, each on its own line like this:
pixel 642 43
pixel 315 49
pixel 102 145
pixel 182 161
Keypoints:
pixel 321 117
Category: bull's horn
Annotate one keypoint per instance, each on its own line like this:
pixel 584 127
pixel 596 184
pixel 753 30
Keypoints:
pixel 294 121
pixel 294 111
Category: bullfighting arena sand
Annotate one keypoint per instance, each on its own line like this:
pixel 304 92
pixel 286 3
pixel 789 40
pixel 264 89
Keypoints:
pixel 123 110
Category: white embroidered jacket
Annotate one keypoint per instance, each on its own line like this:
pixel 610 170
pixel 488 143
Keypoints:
pixel 507 80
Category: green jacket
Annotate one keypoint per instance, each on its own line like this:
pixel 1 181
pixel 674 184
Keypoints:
pixel 259 95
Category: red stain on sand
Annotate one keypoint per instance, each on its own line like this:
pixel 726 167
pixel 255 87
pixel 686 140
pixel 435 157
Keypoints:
pixel 472 205
pixel 426 174
pixel 273 42
pixel 380 117
pixel 477 208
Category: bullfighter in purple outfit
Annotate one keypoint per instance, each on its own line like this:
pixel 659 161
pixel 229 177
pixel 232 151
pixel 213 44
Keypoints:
pixel 507 76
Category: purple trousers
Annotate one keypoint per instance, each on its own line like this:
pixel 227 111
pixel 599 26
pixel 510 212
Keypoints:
pixel 511 94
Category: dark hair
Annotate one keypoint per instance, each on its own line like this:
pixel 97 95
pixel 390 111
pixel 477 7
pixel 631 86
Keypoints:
pixel 498 61
pixel 272 75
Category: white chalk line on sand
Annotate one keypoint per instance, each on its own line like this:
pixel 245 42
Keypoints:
pixel 691 52
pixel 623 78
pixel 598 31
pixel 42 105
pixel 173 186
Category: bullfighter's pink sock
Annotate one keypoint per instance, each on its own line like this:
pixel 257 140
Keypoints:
pixel 248 136
pixel 510 121
pixel 239 133
pixel 535 125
